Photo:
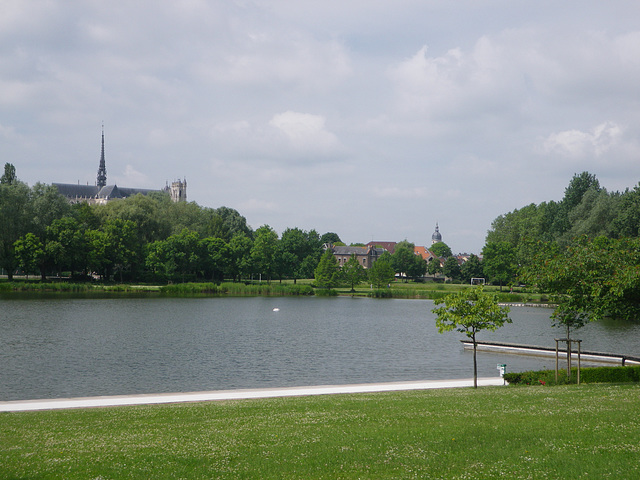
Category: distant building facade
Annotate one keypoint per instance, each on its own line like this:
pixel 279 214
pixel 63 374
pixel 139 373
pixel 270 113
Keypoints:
pixel 366 256
pixel 101 193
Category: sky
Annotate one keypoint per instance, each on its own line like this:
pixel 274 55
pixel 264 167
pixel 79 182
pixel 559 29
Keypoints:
pixel 371 119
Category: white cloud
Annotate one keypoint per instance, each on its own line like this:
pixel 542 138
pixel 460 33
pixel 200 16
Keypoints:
pixel 8 133
pixel 579 144
pixel 258 205
pixel 132 178
pixel 410 193
pixel 309 107
pixel 305 132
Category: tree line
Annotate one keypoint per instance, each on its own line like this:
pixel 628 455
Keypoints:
pixel 143 238
pixel 152 239
pixel 584 249
pixel 149 238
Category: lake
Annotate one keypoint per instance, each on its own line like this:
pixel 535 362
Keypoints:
pixel 66 347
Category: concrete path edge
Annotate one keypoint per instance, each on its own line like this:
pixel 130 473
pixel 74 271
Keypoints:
pixel 217 395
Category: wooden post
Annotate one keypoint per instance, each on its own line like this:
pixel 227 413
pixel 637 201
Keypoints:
pixel 579 342
pixel 556 360
pixel 568 359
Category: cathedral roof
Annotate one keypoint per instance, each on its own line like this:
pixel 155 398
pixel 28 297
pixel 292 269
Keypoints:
pixel 108 192
pixel 72 190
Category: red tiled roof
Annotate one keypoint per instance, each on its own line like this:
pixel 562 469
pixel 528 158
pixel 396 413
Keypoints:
pixel 388 246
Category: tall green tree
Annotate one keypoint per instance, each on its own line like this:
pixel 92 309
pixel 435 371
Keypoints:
pixel 299 252
pixel 147 212
pixel 418 267
pixel 98 249
pixel 625 221
pixel 499 262
pixel 579 185
pixel 122 252
pixel 472 268
pixel 441 250
pixel 67 245
pixel 451 269
pixel 330 237
pixel 353 273
pixel 327 273
pixel 263 252
pixel 470 311
pixel 434 267
pixel 226 222
pixel 15 220
pixel 285 263
pixel 46 206
pixel 9 175
pixel 313 253
pixel 591 279
pixel 30 254
pixel 382 273
pixel 239 262
pixel 177 257
pixel 214 258
pixel 403 259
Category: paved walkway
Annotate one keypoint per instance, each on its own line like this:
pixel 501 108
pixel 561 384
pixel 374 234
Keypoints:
pixel 148 399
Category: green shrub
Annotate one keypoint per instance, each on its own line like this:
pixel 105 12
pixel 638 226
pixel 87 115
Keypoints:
pixel 298 289
pixel 189 288
pixel 381 293
pixel 587 375
pixel 326 292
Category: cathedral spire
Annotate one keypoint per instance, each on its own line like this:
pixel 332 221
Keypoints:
pixel 102 170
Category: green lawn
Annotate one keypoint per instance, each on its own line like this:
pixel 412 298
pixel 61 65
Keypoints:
pixel 590 431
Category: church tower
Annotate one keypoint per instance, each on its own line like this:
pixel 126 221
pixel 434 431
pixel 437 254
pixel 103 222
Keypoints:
pixel 178 191
pixel 436 237
pixel 102 169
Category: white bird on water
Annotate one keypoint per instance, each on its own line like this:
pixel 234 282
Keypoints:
pixel 276 309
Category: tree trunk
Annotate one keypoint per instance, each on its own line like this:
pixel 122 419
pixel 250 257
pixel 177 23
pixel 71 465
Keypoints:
pixel 475 363
pixel 568 353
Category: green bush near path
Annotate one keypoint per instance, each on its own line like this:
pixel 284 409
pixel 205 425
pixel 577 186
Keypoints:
pixel 587 375
pixel 567 432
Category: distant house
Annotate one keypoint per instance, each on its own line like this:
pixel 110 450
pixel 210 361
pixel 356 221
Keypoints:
pixel 388 246
pixel 366 255
pixel 426 254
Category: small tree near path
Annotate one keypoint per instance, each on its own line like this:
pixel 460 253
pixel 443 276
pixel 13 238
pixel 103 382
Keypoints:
pixel 469 312
pixel 353 273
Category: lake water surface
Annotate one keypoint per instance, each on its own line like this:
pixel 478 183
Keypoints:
pixel 63 347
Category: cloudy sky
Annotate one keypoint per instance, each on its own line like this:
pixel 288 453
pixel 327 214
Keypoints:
pixel 372 119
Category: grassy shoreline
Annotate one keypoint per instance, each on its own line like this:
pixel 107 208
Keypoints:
pixel 567 432
pixel 430 291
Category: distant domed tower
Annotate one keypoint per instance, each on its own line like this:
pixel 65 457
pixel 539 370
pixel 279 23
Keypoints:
pixel 436 237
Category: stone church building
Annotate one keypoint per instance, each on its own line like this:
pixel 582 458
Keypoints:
pixel 101 193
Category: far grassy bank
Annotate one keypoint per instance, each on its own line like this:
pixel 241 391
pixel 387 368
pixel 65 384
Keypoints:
pixel 416 290
pixel 564 432
pixel 433 291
